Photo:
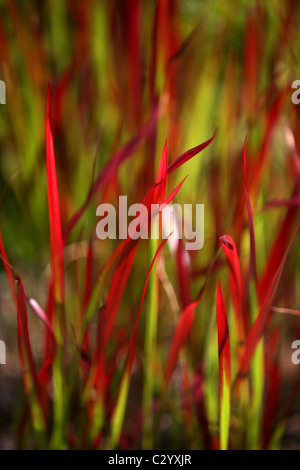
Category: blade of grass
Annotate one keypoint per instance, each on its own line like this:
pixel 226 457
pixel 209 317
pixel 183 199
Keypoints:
pixel 255 407
pixel 28 368
pixel 57 267
pixel 56 242
pixel 236 283
pixel 189 154
pixel 224 370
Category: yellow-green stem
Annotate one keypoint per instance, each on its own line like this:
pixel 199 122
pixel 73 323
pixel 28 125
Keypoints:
pixel 150 351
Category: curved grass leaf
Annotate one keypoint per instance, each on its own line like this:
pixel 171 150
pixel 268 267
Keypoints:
pixel 236 282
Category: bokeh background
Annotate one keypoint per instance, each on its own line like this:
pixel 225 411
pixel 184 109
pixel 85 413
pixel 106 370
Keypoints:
pixel 110 65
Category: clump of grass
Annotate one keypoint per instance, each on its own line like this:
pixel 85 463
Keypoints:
pixel 147 345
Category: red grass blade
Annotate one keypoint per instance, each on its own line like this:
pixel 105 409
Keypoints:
pixel 28 368
pixel 189 154
pixel 25 352
pixel 224 369
pixel 161 179
pixel 235 280
pixel 56 243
